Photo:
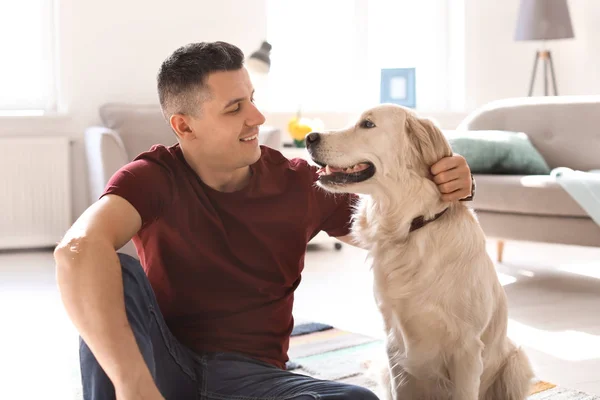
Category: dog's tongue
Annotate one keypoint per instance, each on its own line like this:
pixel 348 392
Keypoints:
pixel 327 170
pixel 331 169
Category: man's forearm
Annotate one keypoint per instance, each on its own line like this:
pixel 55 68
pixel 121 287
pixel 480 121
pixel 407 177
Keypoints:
pixel 91 287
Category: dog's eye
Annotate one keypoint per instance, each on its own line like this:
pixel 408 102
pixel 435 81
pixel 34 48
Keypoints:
pixel 367 124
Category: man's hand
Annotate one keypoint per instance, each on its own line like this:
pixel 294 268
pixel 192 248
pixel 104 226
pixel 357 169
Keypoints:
pixel 453 177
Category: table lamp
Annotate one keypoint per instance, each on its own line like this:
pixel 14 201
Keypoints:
pixel 544 20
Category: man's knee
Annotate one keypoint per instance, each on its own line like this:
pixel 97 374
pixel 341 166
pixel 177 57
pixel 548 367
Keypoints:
pixel 131 267
pixel 135 281
pixel 138 293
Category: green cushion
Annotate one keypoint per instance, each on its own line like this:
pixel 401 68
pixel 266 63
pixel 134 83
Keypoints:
pixel 498 152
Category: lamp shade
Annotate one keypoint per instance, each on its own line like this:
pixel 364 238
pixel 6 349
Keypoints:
pixel 260 60
pixel 544 20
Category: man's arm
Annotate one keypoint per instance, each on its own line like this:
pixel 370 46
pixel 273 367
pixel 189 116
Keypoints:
pixel 90 283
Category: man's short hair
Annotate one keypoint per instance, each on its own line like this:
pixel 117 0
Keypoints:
pixel 182 76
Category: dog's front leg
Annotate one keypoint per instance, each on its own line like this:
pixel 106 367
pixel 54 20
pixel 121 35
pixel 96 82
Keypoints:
pixel 466 367
pixel 393 370
pixel 399 382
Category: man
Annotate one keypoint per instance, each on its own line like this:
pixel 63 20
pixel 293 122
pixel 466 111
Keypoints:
pixel 221 226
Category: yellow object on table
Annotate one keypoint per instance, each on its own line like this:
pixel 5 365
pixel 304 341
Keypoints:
pixel 299 127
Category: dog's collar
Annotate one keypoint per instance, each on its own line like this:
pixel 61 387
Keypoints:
pixel 420 221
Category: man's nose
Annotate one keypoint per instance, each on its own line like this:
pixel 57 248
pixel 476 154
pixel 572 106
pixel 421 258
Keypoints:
pixel 312 139
pixel 256 117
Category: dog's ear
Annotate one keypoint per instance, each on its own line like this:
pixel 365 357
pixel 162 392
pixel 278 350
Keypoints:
pixel 428 139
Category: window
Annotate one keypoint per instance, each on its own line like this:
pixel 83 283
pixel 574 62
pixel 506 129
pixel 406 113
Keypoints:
pixel 313 60
pixel 28 67
pixel 328 54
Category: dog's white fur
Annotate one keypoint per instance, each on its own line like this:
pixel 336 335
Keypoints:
pixel 445 312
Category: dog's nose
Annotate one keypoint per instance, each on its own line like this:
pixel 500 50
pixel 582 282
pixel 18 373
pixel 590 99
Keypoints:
pixel 312 138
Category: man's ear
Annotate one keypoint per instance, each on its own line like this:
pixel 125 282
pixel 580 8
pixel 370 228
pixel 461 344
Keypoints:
pixel 180 125
pixel 428 139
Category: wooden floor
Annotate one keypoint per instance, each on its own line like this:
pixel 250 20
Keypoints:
pixel 553 292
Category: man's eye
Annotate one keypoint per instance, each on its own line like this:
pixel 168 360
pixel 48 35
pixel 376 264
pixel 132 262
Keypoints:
pixel 367 124
pixel 236 109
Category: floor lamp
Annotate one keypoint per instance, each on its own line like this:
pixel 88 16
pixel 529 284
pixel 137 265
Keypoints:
pixel 544 20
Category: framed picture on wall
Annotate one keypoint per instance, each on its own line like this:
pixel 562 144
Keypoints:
pixel 398 86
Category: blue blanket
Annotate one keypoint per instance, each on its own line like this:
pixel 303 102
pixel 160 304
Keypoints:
pixel 583 187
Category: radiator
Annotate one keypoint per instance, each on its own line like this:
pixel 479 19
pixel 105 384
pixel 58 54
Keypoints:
pixel 35 191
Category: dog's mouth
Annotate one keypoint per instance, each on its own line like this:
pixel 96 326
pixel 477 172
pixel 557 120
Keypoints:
pixel 342 176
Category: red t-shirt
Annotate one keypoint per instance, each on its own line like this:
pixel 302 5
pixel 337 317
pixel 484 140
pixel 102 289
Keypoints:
pixel 224 266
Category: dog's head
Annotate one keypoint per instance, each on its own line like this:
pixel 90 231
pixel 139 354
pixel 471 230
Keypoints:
pixel 387 144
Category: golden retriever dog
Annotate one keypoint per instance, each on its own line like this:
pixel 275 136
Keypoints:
pixel 444 309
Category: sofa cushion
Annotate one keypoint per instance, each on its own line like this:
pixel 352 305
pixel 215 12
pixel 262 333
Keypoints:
pixel 530 194
pixel 139 126
pixel 498 152
pixel 564 129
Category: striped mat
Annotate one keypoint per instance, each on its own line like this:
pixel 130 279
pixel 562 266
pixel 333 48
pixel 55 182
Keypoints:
pixel 334 354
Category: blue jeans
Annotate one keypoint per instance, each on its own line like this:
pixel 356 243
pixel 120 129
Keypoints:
pixel 181 374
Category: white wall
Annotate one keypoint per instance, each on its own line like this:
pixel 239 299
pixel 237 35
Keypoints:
pixel 111 51
pixel 498 67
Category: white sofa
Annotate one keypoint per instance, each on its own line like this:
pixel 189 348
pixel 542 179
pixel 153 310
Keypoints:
pixel 566 132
